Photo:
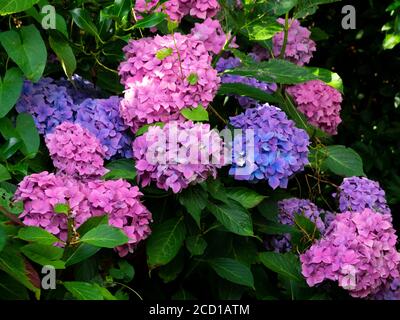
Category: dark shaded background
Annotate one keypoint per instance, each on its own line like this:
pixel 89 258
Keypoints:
pixel 371 122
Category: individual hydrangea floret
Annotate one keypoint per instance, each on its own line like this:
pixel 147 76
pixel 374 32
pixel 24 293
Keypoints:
pixel 288 209
pixel 101 117
pixel 320 103
pixel 177 155
pixel 49 103
pixel 177 9
pixel 75 151
pixel 231 63
pixel 279 148
pixel 358 193
pixel 299 47
pixel 163 75
pixel 121 202
pixel 211 34
pixel 358 250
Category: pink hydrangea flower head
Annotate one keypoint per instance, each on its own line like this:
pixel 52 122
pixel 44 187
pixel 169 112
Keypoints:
pixel 320 103
pixel 163 75
pixel 121 202
pixel 299 47
pixel 40 193
pixel 177 155
pixel 358 251
pixel 75 151
pixel 177 9
pixel 211 34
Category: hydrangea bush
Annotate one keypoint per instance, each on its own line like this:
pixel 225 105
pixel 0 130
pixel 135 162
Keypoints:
pixel 185 148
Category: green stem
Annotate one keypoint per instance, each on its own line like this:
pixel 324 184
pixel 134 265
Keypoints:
pixel 285 38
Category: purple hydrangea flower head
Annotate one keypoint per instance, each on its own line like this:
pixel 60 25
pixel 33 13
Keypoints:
pixel 121 202
pixel 85 198
pixel 299 47
pixel 211 34
pixel 288 209
pixel 48 103
pixel 75 151
pixel 280 149
pixel 177 9
pixel 356 194
pixel 320 103
pixel 358 250
pixel 177 155
pixel 231 63
pixel 390 291
pixel 101 117
pixel 163 75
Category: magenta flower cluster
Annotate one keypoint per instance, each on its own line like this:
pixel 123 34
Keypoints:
pixel 53 102
pixel 177 9
pixel 77 157
pixel 358 250
pixel 288 210
pixel 358 193
pixel 75 152
pixel 211 34
pixel 163 75
pixel 299 47
pixel 280 149
pixel 231 63
pixel 320 103
pixel 178 155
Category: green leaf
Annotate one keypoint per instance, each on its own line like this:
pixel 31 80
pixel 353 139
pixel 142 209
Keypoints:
pixel 62 208
pixel 194 199
pixel 83 20
pixel 44 255
pixel 20 46
pixel 105 236
pixel 246 197
pixel 305 8
pixel 29 134
pixel 233 217
pixel 82 252
pixel 276 228
pixel 10 90
pixel 195 114
pixel 165 241
pixel 10 289
pixel 233 271
pixel 171 271
pixel 192 78
pixel 330 78
pixel 65 54
pixel 3 238
pixel 121 169
pixel 163 53
pixel 342 161
pixel 8 149
pixel 83 290
pixel 391 40
pixel 4 175
pixel 91 223
pixel 38 235
pixel 14 264
pixel 244 90
pixel 263 30
pixel 196 245
pixel 151 20
pixel 275 71
pixel 125 271
pixel 143 129
pixel 287 264
pixel 278 8
pixel 14 6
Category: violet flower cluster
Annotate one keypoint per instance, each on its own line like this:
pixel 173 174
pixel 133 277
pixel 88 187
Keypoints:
pixel 178 155
pixel 390 291
pixel 77 156
pixel 288 209
pixel 231 63
pixel 299 47
pixel 53 102
pixel 358 250
pixel 280 149
pixel 356 194
pixel 163 75
pixel 177 9
pixel 320 103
